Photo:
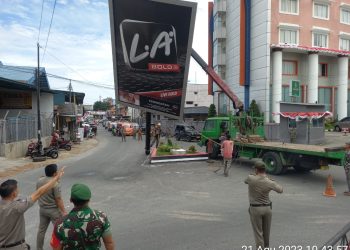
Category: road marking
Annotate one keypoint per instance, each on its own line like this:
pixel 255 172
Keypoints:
pixel 190 215
pixel 196 194
pixel 119 178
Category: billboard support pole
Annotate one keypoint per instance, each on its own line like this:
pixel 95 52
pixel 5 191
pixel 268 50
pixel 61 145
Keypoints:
pixel 148 133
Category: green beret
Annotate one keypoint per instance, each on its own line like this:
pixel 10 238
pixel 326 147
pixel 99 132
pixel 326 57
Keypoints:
pixel 80 192
pixel 259 165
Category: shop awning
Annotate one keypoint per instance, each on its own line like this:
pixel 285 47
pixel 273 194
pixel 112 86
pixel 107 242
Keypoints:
pixel 304 115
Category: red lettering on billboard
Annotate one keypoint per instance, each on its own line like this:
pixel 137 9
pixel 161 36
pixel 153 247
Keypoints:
pixel 161 67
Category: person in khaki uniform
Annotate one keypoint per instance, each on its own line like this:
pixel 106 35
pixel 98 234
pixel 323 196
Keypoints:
pixel 51 204
pixel 12 225
pixel 260 210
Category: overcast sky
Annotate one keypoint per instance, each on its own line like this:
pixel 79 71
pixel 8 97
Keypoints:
pixel 79 44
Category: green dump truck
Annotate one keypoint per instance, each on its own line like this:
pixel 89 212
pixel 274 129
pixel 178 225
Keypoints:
pixel 278 156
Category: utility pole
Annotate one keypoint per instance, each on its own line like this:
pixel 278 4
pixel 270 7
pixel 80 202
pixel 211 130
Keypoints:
pixel 38 96
pixel 148 133
pixel 70 88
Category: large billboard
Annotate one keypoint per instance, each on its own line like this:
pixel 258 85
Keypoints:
pixel 151 44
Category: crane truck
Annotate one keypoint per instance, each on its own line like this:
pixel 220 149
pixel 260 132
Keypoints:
pixel 278 156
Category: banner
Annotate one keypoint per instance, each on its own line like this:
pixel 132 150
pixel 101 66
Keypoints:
pixel 151 42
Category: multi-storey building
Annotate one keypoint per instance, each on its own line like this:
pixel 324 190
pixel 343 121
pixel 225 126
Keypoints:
pixel 197 96
pixel 278 42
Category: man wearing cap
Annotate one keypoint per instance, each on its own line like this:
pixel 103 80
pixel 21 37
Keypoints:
pixel 260 210
pixel 82 228
pixel 347 167
pixel 51 204
pixel 12 225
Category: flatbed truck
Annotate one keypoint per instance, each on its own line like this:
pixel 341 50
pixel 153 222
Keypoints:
pixel 278 156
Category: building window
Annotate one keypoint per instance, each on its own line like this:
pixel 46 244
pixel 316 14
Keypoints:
pixel 288 36
pixel 317 123
pixel 290 68
pixel 289 6
pixel 320 40
pixel 321 10
pixel 196 105
pixel 323 70
pixel 344 44
pixel 325 97
pixel 189 102
pixel 292 123
pixel 195 92
pixel 345 16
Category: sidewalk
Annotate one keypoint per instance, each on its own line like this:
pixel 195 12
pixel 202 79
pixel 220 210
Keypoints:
pixel 11 167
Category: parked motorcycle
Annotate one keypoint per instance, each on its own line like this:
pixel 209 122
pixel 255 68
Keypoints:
pixel 32 145
pixel 61 144
pixel 49 151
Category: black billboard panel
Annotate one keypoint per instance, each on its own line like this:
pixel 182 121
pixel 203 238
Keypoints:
pixel 151 42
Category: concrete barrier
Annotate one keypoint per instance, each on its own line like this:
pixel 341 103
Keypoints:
pixel 18 149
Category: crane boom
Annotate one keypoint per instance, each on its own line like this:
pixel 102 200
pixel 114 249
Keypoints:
pixel 237 103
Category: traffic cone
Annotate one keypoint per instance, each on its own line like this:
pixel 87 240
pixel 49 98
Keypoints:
pixel 329 188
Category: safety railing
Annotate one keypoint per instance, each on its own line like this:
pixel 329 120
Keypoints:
pixel 340 241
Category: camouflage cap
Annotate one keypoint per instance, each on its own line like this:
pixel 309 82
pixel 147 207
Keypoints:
pixel 259 165
pixel 80 192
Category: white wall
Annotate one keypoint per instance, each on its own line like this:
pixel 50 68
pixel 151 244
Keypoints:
pixel 46 106
pixel 201 98
pixel 260 51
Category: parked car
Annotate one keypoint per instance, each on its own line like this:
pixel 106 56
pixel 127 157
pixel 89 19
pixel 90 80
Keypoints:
pixel 343 123
pixel 186 132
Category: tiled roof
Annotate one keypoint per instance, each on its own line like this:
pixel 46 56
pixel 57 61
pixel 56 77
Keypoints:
pixel 312 49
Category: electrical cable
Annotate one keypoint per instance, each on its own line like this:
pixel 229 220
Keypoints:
pixel 48 34
pixel 41 16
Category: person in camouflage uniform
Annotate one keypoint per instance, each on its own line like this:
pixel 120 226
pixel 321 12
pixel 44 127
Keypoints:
pixel 83 227
pixel 347 167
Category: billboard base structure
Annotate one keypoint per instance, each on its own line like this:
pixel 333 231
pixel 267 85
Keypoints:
pixel 200 156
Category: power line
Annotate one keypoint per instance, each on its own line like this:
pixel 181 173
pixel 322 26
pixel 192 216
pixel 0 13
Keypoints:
pixel 32 71
pixel 41 16
pixel 76 72
pixel 48 34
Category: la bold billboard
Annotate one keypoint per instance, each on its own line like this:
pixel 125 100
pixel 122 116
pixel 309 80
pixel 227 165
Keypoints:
pixel 151 43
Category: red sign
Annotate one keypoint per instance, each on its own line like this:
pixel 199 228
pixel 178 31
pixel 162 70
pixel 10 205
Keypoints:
pixel 163 94
pixel 160 67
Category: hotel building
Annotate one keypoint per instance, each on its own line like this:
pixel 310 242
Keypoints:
pixel 263 47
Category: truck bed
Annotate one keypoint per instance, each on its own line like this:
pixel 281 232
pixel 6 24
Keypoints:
pixel 336 152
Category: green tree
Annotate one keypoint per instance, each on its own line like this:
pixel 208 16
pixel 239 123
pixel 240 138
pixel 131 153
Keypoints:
pixel 254 109
pixel 212 110
pixel 103 106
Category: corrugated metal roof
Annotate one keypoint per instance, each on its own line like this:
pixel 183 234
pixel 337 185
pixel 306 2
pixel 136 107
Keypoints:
pixel 23 74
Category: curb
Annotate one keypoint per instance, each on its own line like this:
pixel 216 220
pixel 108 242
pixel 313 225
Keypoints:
pixel 200 156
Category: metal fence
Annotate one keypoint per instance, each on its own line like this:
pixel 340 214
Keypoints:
pixel 22 128
pixel 340 241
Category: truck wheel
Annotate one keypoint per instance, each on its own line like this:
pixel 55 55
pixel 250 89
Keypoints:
pixel 215 151
pixel 273 163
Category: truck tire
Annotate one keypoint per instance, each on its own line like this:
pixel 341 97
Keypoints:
pixel 273 163
pixel 215 151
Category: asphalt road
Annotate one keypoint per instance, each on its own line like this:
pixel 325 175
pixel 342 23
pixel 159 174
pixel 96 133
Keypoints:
pixel 188 206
